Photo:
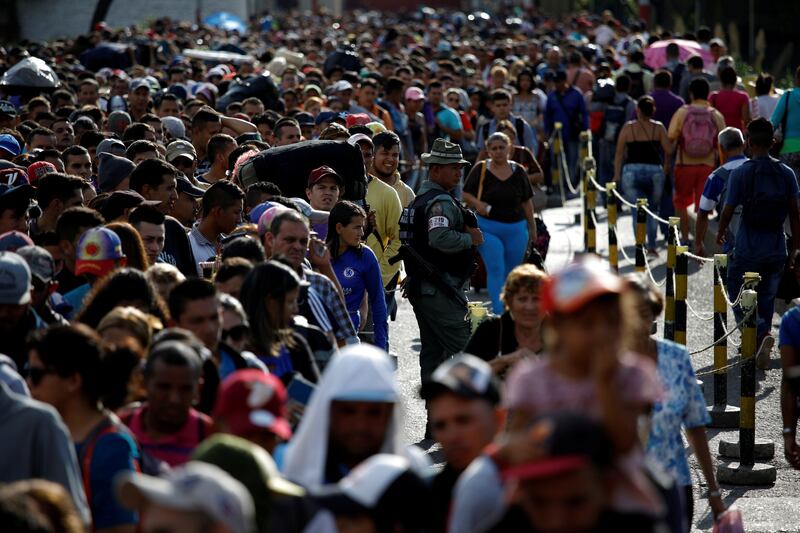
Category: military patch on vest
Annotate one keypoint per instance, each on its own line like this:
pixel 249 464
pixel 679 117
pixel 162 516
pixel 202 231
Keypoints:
pixel 438 222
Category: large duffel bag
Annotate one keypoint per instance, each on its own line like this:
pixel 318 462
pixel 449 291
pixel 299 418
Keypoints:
pixel 288 167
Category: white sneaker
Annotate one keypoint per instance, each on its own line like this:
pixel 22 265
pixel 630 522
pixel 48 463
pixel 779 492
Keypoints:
pixel 764 352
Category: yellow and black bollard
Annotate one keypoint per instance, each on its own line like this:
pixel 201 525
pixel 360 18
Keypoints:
pixel 669 304
pixel 641 234
pixel 747 450
pixel 722 414
pixel 585 144
pixel 681 290
pixel 589 196
pixel 555 168
pixel 611 213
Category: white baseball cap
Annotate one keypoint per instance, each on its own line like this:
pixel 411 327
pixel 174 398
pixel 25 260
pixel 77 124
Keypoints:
pixel 193 487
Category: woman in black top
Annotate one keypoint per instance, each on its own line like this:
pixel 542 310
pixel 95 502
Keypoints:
pixel 642 144
pixel 499 190
pixel 516 334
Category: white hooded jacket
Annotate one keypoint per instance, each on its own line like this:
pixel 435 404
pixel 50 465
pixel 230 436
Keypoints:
pixel 357 373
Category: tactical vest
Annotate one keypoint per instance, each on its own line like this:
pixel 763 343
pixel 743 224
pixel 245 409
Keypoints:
pixel 414 233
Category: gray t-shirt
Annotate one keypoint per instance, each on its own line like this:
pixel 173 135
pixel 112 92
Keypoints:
pixel 37 445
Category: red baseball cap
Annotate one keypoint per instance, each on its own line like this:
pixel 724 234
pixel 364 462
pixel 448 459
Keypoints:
pixel 323 172
pixel 251 400
pixel 578 284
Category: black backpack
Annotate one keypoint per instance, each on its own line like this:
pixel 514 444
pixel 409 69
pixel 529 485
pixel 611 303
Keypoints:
pixel 614 118
pixel 637 84
pixel 765 210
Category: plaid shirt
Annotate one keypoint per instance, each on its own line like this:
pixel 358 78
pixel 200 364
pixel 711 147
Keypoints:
pixel 324 288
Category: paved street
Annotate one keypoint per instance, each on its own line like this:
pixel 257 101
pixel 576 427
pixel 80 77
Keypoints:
pixel 766 509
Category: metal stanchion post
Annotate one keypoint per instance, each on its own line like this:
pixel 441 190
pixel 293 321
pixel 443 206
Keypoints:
pixel 681 291
pixel 669 305
pixel 611 213
pixel 641 234
pixel 722 414
pixel 747 450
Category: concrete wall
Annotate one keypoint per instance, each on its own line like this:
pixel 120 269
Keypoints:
pixel 50 19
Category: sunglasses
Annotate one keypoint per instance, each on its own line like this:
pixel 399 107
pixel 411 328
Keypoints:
pixel 37 373
pixel 236 333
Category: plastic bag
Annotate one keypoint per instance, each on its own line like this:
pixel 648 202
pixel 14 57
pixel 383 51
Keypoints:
pixel 30 72
pixel 729 522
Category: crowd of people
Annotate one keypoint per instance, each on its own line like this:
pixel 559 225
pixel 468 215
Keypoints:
pixel 190 346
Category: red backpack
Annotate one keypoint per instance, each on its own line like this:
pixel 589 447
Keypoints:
pixel 699 133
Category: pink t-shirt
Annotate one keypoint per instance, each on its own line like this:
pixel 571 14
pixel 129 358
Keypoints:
pixel 174 449
pixel 729 102
pixel 534 385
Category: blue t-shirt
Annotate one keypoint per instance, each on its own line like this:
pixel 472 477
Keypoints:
pixel 357 271
pixel 790 329
pixel 751 243
pixel 113 453
pixel 714 194
pixel 449 118
pixel 74 299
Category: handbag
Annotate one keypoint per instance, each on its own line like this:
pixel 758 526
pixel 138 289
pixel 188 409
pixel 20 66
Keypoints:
pixel 537 250
pixel 780 131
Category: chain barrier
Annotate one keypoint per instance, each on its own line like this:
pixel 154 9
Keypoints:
pixel 597 186
pixel 697 314
pixel 727 335
pixel 622 250
pixel 565 167
pixel 650 273
pixel 654 216
pixel 623 200
pixel 738 299
pixel 597 225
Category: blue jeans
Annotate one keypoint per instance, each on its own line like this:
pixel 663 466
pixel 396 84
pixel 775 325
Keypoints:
pixel 644 181
pixel 605 161
pixel 504 246
pixel 771 273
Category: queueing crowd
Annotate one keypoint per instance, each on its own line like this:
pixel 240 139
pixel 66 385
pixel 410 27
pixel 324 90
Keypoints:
pixel 187 349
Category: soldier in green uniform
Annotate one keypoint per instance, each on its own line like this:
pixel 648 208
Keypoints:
pixel 441 235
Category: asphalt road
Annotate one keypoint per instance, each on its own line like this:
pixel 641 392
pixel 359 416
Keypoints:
pixel 765 509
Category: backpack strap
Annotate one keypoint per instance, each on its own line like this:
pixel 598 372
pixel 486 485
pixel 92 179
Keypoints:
pixel 480 182
pixel 87 454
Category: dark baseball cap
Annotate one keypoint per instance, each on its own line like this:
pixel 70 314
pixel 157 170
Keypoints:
pixel 323 172
pixel 128 198
pixel 463 375
pixel 186 186
pixel 7 108
pixel 304 119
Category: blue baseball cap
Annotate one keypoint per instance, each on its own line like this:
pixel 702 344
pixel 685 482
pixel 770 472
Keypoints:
pixel 10 144
pixel 258 210
pixel 329 116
